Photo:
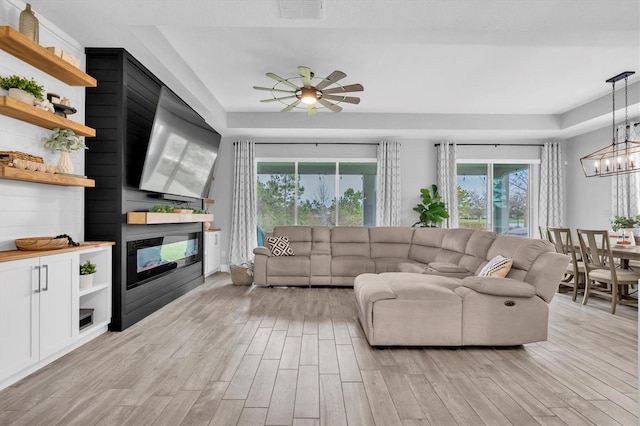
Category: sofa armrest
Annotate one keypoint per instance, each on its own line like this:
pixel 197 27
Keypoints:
pixel 496 286
pixel 262 250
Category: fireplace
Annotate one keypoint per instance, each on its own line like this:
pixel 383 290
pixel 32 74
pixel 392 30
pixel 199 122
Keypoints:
pixel 151 258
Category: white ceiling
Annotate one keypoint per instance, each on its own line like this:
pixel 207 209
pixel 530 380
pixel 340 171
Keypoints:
pixel 465 69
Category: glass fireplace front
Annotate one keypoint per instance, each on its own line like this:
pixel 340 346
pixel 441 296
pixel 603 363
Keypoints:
pixel 149 258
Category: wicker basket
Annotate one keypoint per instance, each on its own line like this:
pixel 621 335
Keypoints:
pixel 7 157
pixel 239 275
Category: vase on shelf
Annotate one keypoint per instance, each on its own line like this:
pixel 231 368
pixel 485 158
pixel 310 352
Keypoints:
pixel 22 96
pixel 29 25
pixel 86 281
pixel 64 164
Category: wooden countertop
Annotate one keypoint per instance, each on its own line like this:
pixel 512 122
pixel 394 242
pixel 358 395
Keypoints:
pixel 213 229
pixel 9 255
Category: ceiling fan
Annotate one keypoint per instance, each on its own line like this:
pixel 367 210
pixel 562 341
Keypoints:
pixel 309 93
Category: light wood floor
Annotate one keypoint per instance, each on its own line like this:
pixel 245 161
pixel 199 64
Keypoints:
pixel 238 355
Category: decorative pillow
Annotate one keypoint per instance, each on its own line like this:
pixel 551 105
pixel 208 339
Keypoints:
pixel 499 266
pixel 279 246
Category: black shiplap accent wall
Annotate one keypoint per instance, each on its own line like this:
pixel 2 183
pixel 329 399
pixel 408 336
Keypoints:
pixel 121 109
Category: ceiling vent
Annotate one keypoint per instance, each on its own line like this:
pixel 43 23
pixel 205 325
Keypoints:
pixel 302 9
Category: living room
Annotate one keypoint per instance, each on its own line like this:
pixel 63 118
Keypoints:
pixel 497 78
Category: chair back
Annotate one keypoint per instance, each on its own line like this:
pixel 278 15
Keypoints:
pixel 596 250
pixel 544 232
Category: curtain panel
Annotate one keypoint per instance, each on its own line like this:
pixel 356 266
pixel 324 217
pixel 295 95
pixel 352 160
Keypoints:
pixel 625 189
pixel 388 193
pixel 448 182
pixel 244 216
pixel 551 207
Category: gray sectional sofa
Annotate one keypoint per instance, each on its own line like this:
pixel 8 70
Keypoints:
pixel 420 286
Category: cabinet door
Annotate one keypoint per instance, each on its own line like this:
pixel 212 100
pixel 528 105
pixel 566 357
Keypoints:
pixel 19 325
pixel 59 279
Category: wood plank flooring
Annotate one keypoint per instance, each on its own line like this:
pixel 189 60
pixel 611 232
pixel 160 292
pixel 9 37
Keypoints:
pixel 224 354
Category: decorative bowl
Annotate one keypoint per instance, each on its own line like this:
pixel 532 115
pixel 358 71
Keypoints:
pixel 41 243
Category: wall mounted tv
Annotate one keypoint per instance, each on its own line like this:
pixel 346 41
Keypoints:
pixel 182 150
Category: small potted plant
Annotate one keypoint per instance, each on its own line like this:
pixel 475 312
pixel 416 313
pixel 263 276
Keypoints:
pixel 65 141
pixel 87 272
pixel 22 89
pixel 432 209
pixel 625 225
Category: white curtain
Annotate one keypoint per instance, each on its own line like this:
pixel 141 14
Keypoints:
pixel 388 194
pixel 448 182
pixel 551 207
pixel 625 189
pixel 244 212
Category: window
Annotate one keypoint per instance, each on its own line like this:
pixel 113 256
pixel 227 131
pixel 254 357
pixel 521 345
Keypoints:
pixel 497 197
pixel 316 193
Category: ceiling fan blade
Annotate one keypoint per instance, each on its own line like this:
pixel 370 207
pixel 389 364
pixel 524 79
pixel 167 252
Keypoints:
pixel 330 79
pixel 282 80
pixel 312 110
pixel 277 99
pixel 270 89
pixel 305 73
pixel 343 89
pixel 332 107
pixel 348 99
pixel 290 107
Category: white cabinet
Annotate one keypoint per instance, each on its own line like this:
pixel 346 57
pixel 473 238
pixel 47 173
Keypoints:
pixel 211 252
pixel 40 303
pixel 38 309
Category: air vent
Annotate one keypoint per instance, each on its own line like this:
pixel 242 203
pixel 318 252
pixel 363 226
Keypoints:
pixel 302 9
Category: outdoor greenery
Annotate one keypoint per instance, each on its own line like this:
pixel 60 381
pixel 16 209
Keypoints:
pixel 624 222
pixel 277 200
pixel 432 210
pixel 88 268
pixel 64 140
pixel 16 82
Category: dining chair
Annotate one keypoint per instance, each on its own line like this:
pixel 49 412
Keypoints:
pixel 603 277
pixel 544 232
pixel 574 275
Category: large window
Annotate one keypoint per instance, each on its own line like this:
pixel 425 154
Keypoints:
pixel 316 193
pixel 496 197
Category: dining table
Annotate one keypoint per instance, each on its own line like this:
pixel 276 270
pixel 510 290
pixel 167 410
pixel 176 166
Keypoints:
pixel 625 254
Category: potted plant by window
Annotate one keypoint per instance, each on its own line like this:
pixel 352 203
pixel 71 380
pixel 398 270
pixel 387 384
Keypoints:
pixel 65 141
pixel 87 272
pixel 625 225
pixel 22 89
pixel 432 209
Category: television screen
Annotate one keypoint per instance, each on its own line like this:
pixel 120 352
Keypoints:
pixel 182 150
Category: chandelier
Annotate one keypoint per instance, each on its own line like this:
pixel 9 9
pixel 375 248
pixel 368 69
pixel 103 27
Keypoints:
pixel 618 157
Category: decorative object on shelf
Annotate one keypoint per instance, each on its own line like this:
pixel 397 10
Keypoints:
pixel 182 210
pixel 41 243
pixel 309 94
pixel 432 210
pixel 65 141
pixel 242 274
pixel 87 272
pixel 33 166
pixel 22 89
pixel 64 56
pixel 8 157
pixel 69 240
pixel 45 105
pixel 29 25
pixel 160 208
pixel 618 157
pixel 54 98
pixel 85 318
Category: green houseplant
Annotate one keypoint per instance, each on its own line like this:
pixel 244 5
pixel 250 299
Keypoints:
pixel 87 272
pixel 30 88
pixel 65 141
pixel 432 210
pixel 624 222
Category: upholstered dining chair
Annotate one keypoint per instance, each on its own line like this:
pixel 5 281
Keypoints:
pixel 603 277
pixel 574 275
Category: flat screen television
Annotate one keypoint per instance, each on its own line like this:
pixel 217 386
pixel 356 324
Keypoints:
pixel 182 150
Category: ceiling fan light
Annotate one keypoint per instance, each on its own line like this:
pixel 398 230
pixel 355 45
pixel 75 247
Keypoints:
pixel 308 96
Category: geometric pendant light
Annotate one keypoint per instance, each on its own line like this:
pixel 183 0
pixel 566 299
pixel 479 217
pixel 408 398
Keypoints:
pixel 618 157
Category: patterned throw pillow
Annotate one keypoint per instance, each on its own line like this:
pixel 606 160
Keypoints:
pixel 499 266
pixel 279 246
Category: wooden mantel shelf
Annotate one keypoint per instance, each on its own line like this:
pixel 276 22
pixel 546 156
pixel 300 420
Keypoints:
pixel 18 45
pixel 12 173
pixel 145 218
pixel 21 111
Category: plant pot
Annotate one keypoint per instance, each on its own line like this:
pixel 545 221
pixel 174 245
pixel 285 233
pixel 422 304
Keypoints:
pixel 22 96
pixel 64 164
pixel 86 281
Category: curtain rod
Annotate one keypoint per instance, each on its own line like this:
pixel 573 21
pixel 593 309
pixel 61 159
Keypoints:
pixel 495 144
pixel 314 143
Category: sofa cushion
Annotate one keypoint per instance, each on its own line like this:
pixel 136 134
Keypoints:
pixel 350 241
pixel 351 266
pixel 299 238
pixel 446 268
pixel 279 246
pixel 296 266
pixel 390 241
pixel 499 286
pixel 499 266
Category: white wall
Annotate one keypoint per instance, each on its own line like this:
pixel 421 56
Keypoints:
pixel 28 209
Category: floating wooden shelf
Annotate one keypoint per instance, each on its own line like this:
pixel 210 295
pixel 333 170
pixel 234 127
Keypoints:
pixel 144 218
pixel 12 173
pixel 17 44
pixel 209 201
pixel 24 112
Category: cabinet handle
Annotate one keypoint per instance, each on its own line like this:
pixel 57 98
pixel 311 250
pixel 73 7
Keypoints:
pixel 46 274
pixel 37 268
